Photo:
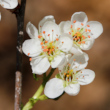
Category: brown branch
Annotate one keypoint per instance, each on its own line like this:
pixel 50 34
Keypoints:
pixel 20 12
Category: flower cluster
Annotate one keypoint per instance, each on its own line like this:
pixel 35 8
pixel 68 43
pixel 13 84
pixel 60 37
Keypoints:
pixel 60 46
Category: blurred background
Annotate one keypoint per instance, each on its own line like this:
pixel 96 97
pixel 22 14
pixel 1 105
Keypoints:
pixel 95 96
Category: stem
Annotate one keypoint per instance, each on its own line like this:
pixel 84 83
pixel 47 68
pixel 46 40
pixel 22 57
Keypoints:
pixel 20 24
pixel 29 105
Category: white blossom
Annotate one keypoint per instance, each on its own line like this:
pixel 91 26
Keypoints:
pixel 46 46
pixel 82 32
pixel 9 4
pixel 71 75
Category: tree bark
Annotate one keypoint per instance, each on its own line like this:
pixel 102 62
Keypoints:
pixel 20 12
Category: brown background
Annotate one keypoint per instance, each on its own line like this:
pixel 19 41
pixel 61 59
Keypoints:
pixel 95 96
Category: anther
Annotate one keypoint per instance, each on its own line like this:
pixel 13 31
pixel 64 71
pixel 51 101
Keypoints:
pixel 71 26
pixel 76 39
pixel 42 47
pixel 43 32
pixel 83 42
pixel 52 50
pixel 88 25
pixel 45 46
pixel 85 30
pixel 64 73
pixel 28 54
pixel 30 59
pixel 79 42
pixel 78 28
pixel 46 41
pixel 83 37
pixel 57 39
pixel 48 34
pixel 39 36
pixel 41 43
pixel 89 37
pixel 69 64
pixel 74 21
pixel 62 42
pixel 89 30
pixel 82 24
pixel 70 33
pixel 68 75
pixel 74 59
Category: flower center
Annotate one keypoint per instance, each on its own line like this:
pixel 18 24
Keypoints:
pixel 50 49
pixel 80 35
pixel 68 74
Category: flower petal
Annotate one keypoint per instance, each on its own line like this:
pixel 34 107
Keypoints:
pixel 54 88
pixel 88 44
pixel 50 31
pixel 65 27
pixel 9 4
pixel 58 60
pixel 72 89
pixel 31 47
pixel 76 50
pixel 86 77
pixel 61 67
pixel 79 61
pixel 40 65
pixel 79 17
pixel 96 28
pixel 65 42
pixel 32 30
pixel 45 19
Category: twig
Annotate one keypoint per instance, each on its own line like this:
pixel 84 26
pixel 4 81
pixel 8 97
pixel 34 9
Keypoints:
pixel 20 25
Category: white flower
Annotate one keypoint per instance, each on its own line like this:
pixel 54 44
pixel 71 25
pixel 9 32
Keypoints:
pixel 9 4
pixel 82 32
pixel 70 77
pixel 46 47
